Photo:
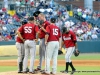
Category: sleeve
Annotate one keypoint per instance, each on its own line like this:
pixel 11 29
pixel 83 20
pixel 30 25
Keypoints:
pixel 20 29
pixel 36 28
pixel 48 29
pixel 47 24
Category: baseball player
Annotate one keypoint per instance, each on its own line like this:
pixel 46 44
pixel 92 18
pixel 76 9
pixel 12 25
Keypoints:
pixel 20 48
pixel 31 33
pixel 69 40
pixel 42 47
pixel 52 45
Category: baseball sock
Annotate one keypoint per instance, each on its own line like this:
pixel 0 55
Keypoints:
pixel 67 65
pixel 71 65
pixel 20 67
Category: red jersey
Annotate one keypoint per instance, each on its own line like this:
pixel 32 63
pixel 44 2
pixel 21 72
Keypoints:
pixel 29 31
pixel 54 33
pixel 18 39
pixel 42 33
pixel 69 39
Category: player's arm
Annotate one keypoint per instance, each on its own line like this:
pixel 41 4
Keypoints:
pixel 62 44
pixel 42 28
pixel 37 33
pixel 47 34
pixel 20 36
pixel 46 38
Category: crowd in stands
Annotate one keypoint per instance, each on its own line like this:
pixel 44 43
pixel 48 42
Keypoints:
pixel 81 22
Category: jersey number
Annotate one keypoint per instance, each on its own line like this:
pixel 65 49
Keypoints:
pixel 28 29
pixel 55 31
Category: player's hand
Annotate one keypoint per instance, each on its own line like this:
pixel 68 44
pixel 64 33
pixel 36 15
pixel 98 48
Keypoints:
pixel 60 48
pixel 45 43
pixel 36 40
pixel 23 40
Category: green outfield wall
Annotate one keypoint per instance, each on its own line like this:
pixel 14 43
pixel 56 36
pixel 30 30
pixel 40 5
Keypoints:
pixel 9 48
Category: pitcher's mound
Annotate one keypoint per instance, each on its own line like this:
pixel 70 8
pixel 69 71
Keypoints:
pixel 15 73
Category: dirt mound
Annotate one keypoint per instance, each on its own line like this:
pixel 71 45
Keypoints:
pixel 15 73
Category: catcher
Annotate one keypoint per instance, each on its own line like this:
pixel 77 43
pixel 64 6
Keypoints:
pixel 70 42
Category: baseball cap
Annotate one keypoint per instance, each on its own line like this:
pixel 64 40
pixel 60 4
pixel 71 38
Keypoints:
pixel 36 13
pixel 30 18
pixel 53 20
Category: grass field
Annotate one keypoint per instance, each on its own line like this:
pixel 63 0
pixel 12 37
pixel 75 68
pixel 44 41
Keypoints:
pixel 90 56
pixel 79 68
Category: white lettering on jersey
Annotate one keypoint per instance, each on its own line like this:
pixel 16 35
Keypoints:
pixel 55 31
pixel 28 29
pixel 66 38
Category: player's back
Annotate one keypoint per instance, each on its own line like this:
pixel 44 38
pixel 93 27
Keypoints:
pixel 29 31
pixel 54 33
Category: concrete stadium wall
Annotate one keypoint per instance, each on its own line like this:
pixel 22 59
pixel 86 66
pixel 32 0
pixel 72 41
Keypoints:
pixel 9 48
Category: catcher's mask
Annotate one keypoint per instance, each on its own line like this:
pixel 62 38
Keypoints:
pixel 65 30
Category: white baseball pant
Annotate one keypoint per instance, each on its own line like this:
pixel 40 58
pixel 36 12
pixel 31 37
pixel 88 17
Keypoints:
pixel 30 48
pixel 52 52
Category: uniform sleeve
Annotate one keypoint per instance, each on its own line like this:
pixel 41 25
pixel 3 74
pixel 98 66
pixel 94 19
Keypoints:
pixel 36 28
pixel 20 29
pixel 47 23
pixel 48 29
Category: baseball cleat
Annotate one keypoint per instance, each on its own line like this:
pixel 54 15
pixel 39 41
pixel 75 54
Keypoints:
pixel 73 71
pixel 64 71
pixel 38 69
pixel 20 72
pixel 44 73
pixel 34 72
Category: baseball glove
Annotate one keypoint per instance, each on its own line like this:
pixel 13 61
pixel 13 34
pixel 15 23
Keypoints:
pixel 60 52
pixel 76 53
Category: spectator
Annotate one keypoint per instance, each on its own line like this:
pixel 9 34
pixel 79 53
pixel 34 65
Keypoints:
pixel 94 36
pixel 12 34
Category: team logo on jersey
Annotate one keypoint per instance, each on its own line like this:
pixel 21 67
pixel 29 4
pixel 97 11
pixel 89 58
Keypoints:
pixel 66 38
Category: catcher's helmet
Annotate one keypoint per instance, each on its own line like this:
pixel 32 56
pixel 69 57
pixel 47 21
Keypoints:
pixel 24 22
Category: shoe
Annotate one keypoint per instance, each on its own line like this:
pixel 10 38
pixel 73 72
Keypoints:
pixel 64 71
pixel 24 72
pixel 44 73
pixel 52 73
pixel 73 71
pixel 20 72
pixel 33 72
pixel 27 70
pixel 38 69
pixel 42 70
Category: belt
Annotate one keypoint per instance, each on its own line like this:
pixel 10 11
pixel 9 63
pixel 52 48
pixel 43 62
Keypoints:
pixel 29 39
